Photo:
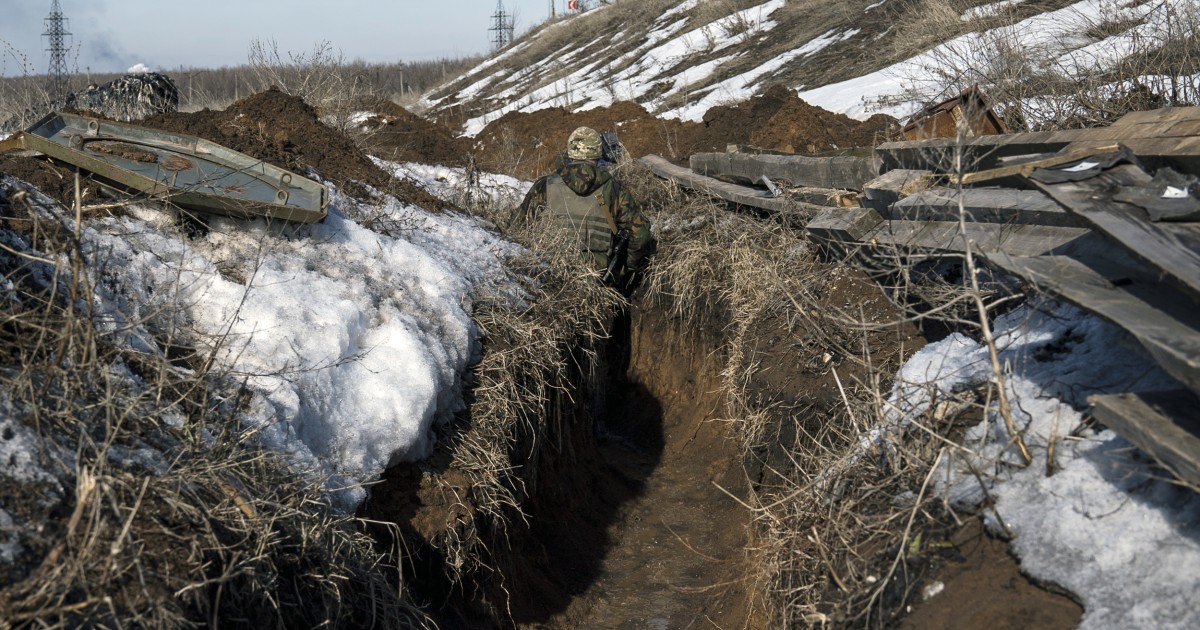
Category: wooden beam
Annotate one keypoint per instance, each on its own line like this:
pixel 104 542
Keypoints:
pixel 1165 425
pixel 837 228
pixel 1163 133
pixel 744 195
pixel 945 237
pixel 885 190
pixel 840 172
pixel 1164 322
pixel 982 205
pixel 1172 248
pixel 1026 168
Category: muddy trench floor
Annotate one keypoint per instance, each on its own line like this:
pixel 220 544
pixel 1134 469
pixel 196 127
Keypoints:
pixel 665 495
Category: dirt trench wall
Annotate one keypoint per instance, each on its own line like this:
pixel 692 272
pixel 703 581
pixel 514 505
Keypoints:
pixel 620 517
pixel 619 512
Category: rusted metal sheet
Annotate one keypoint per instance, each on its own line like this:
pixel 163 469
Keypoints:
pixel 190 172
pixel 968 112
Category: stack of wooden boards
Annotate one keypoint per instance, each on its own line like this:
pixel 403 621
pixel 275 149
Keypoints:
pixel 1105 218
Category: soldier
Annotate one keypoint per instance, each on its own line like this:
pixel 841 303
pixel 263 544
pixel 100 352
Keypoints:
pixel 583 199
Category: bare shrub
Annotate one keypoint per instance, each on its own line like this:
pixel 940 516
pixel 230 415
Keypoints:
pixel 22 95
pixel 320 77
pixel 1084 70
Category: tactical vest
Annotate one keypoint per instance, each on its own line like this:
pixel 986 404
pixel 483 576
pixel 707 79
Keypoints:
pixel 584 217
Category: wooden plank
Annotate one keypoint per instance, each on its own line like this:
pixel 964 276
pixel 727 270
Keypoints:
pixel 1025 168
pixel 980 152
pixel 1163 323
pixel 982 205
pixel 1163 116
pixel 744 195
pixel 1165 425
pixel 1173 248
pixel 843 226
pixel 944 236
pixel 885 190
pixel 1143 132
pixel 839 172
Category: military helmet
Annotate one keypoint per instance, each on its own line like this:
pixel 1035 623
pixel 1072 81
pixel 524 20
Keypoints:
pixel 584 144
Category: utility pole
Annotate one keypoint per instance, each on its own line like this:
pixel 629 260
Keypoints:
pixel 553 10
pixel 56 35
pixel 502 27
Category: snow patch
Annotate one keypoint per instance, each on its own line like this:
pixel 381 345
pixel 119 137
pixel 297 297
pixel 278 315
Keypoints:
pixel 1106 526
pixel 351 341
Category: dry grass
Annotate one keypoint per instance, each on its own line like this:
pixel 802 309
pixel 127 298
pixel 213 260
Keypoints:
pixel 844 534
pixel 1062 83
pixel 155 508
pixel 538 366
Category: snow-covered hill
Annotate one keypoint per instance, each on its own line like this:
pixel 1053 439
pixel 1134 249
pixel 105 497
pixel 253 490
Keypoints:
pixel 678 58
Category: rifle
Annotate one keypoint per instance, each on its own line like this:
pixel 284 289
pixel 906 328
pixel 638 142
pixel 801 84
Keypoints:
pixel 616 258
pixel 610 148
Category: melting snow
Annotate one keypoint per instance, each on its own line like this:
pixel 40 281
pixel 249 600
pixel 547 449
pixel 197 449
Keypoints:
pixel 1106 526
pixel 353 342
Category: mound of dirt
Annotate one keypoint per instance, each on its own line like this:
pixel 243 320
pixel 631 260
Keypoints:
pixel 781 121
pixel 396 134
pixel 55 181
pixel 525 144
pixel 285 131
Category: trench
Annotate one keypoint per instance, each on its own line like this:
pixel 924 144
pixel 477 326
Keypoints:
pixel 635 521
pixel 660 497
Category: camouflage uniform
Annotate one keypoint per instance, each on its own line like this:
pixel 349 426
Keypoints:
pixel 584 199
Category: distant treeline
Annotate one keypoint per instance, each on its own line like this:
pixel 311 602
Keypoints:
pixel 402 82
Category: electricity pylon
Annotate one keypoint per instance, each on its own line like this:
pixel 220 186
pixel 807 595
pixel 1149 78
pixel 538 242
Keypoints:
pixel 56 34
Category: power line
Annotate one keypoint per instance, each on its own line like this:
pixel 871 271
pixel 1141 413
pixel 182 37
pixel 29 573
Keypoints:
pixel 56 34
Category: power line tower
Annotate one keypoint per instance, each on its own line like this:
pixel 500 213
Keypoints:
pixel 502 27
pixel 56 35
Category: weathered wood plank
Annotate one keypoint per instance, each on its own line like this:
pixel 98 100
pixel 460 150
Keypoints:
pixel 982 205
pixel 1165 116
pixel 1162 322
pixel 837 228
pixel 944 236
pixel 744 195
pixel 845 172
pixel 1025 168
pixel 1173 248
pixel 885 190
pixel 1165 133
pixel 1165 425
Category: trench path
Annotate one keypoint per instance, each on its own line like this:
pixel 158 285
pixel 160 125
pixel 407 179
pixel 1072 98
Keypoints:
pixel 676 554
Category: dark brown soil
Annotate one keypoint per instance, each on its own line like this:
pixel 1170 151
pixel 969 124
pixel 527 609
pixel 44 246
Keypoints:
pixel 677 549
pixel 398 135
pixel 525 144
pixel 984 589
pixel 285 131
pixel 55 180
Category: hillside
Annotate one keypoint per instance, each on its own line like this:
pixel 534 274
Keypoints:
pixel 1042 61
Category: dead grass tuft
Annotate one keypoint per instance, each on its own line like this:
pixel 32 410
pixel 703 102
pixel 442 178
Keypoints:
pixel 846 527
pixel 144 502
pixel 538 368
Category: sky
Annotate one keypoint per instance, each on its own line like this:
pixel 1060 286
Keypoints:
pixel 115 35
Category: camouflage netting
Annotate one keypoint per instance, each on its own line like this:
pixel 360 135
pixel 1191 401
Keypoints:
pixel 128 98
